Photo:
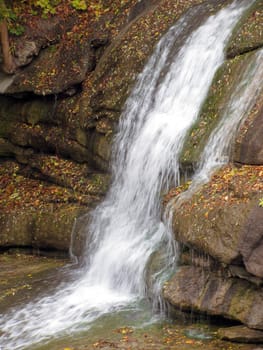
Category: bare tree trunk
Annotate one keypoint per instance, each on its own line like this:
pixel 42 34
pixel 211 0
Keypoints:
pixel 8 63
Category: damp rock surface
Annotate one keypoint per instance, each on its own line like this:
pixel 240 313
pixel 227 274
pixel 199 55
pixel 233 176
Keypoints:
pixel 241 334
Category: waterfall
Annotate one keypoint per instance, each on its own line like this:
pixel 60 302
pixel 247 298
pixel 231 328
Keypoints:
pixel 218 147
pixel 126 229
pixel 217 150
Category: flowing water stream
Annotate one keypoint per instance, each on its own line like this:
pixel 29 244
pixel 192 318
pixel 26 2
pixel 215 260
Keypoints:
pixel 217 150
pixel 126 229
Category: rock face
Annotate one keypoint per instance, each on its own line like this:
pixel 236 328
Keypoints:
pixel 215 294
pixel 222 222
pixel 220 228
pixel 47 229
pixel 59 111
pixel 251 244
pixel 248 148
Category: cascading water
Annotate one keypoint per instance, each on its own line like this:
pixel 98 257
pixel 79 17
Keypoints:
pixel 217 150
pixel 126 228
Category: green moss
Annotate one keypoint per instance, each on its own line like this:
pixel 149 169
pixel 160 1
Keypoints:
pixel 99 183
pixel 242 301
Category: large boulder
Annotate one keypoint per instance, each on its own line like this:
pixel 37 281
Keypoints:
pixel 198 289
pixel 251 243
pixel 40 204
pixel 222 225
pixel 241 334
pixel 224 218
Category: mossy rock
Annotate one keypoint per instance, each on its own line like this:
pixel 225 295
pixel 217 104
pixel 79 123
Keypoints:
pixel 47 228
pixel 223 85
pixel 53 227
pixel 100 146
pixel 248 34
pixel 16 229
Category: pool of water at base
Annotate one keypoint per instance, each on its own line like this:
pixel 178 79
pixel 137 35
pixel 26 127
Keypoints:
pixel 134 327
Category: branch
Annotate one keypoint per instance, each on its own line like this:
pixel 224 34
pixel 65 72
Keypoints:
pixel 8 62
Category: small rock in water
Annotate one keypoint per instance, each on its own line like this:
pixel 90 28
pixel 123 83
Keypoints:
pixel 241 334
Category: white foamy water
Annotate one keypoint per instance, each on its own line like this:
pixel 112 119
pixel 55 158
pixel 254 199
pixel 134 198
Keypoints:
pixel 126 228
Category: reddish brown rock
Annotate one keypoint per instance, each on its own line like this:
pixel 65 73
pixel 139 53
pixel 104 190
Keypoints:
pixel 249 145
pixel 198 289
pixel 251 243
pixel 241 334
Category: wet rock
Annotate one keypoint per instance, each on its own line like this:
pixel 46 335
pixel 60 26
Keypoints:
pixel 69 174
pixel 47 228
pixel 5 81
pixel 241 334
pixel 219 95
pixel 248 34
pixel 199 289
pixel 251 243
pixel 248 146
pixel 16 229
pixel 218 236
pixel 241 272
pixel 21 275
pixel 140 7
pixel 79 237
pixel 53 227
pixel 224 219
